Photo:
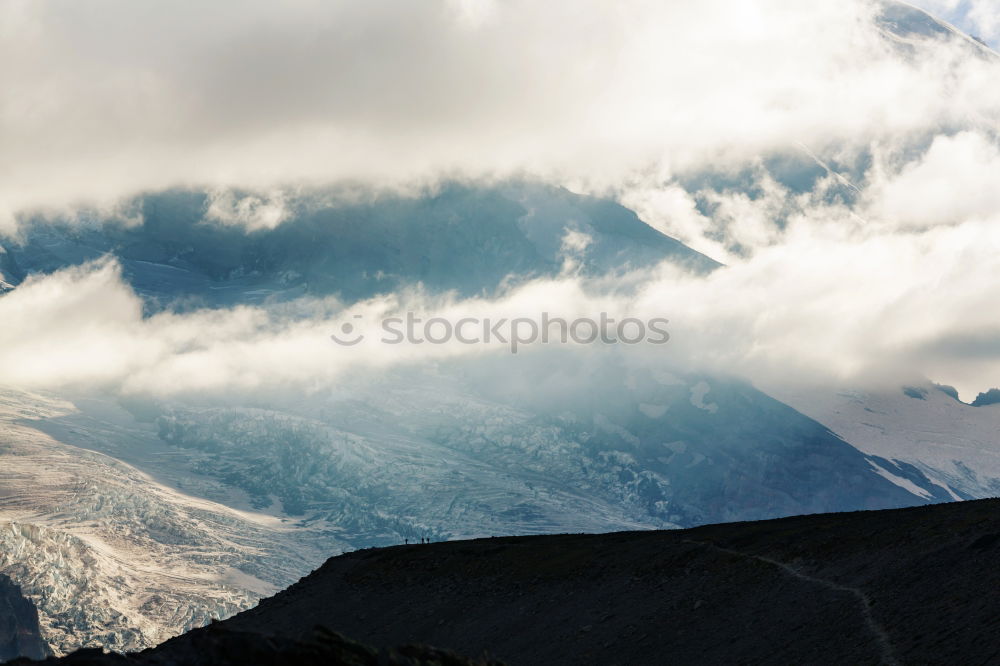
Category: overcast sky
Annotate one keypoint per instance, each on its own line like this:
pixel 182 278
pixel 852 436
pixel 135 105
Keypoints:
pixel 107 98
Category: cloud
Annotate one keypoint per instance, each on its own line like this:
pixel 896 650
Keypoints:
pixel 958 178
pixel 110 98
pixel 884 266
pixel 822 306
pixel 249 210
pixel 979 17
pixel 985 17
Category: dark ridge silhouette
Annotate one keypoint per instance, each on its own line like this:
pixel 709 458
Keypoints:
pixel 898 586
pixel 219 646
pixel 20 635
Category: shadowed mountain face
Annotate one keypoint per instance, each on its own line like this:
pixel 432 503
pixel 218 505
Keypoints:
pixel 987 398
pixel 650 452
pixel 884 587
pixel 20 635
pixel 459 238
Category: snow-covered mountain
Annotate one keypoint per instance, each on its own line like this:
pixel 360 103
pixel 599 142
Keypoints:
pixel 128 518
pixel 459 238
pixel 921 428
pixel 905 25
pixel 162 523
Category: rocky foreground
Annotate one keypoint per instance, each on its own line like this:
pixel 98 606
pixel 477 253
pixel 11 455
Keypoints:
pixel 20 634
pixel 917 585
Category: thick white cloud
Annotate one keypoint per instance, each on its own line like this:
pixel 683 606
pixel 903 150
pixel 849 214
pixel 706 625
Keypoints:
pixel 984 15
pixel 250 211
pixel 957 179
pixel 822 306
pixel 104 98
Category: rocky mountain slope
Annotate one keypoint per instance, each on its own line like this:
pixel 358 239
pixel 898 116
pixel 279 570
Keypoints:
pixel 910 586
pixel 20 635
pixel 218 646
pixel 907 586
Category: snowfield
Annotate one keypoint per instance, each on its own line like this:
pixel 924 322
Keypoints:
pixel 954 444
